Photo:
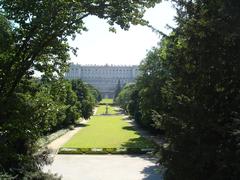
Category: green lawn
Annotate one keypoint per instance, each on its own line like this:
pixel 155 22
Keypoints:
pixel 106 101
pixel 108 132
pixel 102 109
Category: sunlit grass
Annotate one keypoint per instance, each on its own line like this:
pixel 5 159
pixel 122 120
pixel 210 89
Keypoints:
pixel 102 110
pixel 106 101
pixel 108 132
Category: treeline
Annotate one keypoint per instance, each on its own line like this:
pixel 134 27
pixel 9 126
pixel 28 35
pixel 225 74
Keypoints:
pixel 189 91
pixel 39 107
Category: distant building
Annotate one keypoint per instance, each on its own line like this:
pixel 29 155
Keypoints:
pixel 105 78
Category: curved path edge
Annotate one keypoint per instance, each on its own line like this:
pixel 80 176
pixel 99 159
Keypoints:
pixel 59 142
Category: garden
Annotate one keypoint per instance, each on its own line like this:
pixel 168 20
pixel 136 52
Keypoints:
pixel 107 134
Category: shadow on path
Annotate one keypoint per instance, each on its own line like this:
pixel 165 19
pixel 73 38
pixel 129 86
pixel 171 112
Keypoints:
pixel 151 173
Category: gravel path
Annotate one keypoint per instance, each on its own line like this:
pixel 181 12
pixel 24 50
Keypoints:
pixel 104 167
pixel 56 144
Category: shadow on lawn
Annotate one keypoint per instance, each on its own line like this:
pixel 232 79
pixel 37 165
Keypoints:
pixel 110 114
pixel 139 143
pixel 129 128
pixel 119 111
pixel 81 125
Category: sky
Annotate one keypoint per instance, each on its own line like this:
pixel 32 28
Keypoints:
pixel 99 46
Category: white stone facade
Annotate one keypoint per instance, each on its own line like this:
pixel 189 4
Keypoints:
pixel 104 78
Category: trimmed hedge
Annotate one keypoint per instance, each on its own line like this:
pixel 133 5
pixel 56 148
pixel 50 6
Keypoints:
pixel 110 104
pixel 105 150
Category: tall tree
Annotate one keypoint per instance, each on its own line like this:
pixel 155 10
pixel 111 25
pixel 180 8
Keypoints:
pixel 151 84
pixel 124 96
pixel 41 29
pixel 189 88
pixel 117 89
pixel 202 122
pixel 84 97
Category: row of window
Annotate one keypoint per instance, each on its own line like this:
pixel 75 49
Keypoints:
pixel 107 81
pixel 112 70
pixel 103 81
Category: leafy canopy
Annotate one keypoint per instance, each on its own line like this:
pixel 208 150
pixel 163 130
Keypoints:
pixel 41 29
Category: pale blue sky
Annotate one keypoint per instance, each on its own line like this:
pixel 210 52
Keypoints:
pixel 99 46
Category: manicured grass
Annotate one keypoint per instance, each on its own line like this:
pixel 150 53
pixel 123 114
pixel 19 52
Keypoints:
pixel 102 109
pixel 106 101
pixel 108 132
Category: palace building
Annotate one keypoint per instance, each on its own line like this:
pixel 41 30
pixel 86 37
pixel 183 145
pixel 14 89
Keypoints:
pixel 105 78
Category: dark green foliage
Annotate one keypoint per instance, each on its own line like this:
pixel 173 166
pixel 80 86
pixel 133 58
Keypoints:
pixel 152 85
pixel 133 106
pixel 95 93
pixel 124 95
pixel 85 97
pixel 6 35
pixel 152 91
pixel 117 90
pixel 69 109
pixel 202 126
pixel 15 142
pixel 34 110
pixel 128 99
pixel 189 88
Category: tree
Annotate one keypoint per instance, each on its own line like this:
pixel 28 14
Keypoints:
pixel 133 106
pixel 202 123
pixel 117 89
pixel 96 95
pixel 30 113
pixel 153 89
pixel 42 27
pixel 6 35
pixel 124 96
pixel 69 110
pixel 189 87
pixel 84 97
